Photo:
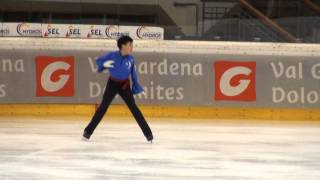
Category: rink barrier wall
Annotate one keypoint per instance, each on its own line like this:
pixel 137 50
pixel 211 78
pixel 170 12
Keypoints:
pixel 194 92
pixel 184 113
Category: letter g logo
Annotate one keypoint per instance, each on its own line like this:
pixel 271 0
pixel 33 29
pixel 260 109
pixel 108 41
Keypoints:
pixel 235 81
pixel 46 81
pixel 225 81
pixel 55 76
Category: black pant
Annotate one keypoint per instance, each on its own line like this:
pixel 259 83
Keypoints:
pixel 123 88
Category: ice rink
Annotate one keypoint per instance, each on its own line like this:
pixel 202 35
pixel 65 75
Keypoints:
pixel 52 149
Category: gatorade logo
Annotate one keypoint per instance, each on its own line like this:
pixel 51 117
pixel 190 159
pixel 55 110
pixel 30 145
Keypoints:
pixel 54 76
pixel 235 81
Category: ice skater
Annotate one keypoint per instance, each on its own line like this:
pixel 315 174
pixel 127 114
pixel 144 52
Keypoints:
pixel 121 65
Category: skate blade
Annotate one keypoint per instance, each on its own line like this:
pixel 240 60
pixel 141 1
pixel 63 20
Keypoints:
pixel 85 139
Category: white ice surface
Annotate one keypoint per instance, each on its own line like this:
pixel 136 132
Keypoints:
pixel 43 150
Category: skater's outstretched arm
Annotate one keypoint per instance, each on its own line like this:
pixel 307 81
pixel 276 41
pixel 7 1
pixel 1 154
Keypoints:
pixel 136 87
pixel 103 62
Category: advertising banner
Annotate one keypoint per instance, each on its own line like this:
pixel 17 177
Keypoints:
pixel 80 31
pixel 21 29
pixel 63 30
pixel 207 79
pixel 143 32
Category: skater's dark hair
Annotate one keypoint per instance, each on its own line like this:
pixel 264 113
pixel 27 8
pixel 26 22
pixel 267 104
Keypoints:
pixel 124 40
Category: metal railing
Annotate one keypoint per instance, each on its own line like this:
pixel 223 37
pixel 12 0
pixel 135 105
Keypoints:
pixel 251 22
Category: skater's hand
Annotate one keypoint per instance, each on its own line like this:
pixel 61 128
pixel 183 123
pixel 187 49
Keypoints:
pixel 143 93
pixel 108 64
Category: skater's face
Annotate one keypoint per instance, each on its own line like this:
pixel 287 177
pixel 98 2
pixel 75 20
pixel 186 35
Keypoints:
pixel 127 48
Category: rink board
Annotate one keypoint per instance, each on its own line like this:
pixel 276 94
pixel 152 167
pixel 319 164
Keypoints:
pixel 198 79
pixel 183 113
pixel 215 74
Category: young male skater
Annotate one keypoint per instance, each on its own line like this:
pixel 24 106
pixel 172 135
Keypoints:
pixel 121 65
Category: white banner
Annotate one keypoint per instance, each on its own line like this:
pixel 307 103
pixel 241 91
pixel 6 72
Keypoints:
pixel 114 32
pixel 144 32
pixel 95 31
pixel 64 30
pixel 80 31
pixel 21 29
pixel 2 30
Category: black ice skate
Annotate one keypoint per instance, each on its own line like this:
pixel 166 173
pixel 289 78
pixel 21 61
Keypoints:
pixel 86 136
pixel 150 138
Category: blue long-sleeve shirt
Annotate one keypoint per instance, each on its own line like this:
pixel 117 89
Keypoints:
pixel 123 67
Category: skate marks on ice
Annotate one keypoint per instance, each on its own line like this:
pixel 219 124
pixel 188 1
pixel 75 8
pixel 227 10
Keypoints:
pixel 53 150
